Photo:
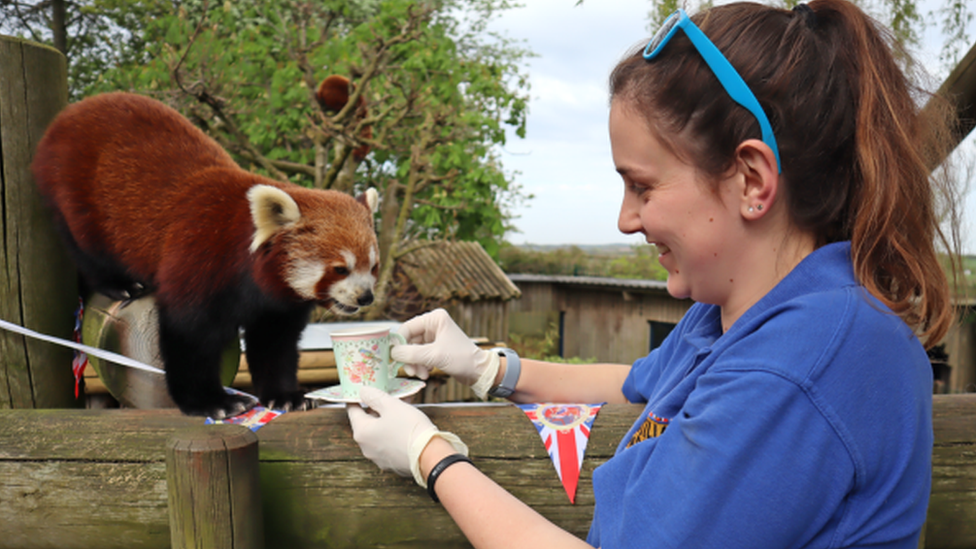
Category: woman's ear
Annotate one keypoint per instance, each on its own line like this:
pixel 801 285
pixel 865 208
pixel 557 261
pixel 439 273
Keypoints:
pixel 757 165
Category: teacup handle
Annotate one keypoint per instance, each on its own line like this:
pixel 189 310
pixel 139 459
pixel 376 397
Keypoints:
pixel 395 365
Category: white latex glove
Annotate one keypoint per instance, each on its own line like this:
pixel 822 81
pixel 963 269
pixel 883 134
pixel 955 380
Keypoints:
pixel 393 433
pixel 435 341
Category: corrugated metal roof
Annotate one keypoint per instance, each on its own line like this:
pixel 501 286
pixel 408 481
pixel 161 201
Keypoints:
pixel 457 270
pixel 629 283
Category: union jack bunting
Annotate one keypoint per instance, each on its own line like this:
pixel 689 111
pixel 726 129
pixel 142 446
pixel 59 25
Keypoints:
pixel 565 430
pixel 253 419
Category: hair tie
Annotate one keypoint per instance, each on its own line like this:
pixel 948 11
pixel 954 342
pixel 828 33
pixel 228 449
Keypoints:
pixel 808 13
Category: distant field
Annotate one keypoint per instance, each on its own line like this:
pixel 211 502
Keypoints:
pixel 593 249
pixel 628 261
pixel 610 260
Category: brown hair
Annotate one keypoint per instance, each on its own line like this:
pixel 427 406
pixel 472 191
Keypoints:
pixel 855 151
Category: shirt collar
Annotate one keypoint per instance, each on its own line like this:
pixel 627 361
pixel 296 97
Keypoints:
pixel 826 268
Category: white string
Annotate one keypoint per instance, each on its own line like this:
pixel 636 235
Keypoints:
pixel 100 353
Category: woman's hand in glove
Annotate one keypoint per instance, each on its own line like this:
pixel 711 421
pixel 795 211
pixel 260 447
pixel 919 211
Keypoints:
pixel 435 341
pixel 393 434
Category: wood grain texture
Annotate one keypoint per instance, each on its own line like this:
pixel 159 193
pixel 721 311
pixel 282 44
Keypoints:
pixel 214 494
pixel 97 478
pixel 38 287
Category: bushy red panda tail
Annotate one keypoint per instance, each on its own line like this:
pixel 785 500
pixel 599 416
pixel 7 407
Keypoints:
pixel 333 94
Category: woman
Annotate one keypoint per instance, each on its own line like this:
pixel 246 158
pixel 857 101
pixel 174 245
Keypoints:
pixel 773 158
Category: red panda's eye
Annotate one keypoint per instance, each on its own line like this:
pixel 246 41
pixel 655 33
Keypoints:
pixel 341 271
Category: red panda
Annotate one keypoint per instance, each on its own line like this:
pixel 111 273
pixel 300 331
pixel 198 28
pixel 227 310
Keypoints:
pixel 333 94
pixel 146 202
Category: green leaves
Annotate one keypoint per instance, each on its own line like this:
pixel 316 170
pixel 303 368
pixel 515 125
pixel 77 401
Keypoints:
pixel 440 95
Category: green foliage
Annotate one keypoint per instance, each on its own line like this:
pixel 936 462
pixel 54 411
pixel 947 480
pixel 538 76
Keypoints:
pixel 955 19
pixel 100 34
pixel 639 262
pixel 544 347
pixel 965 284
pixel 441 94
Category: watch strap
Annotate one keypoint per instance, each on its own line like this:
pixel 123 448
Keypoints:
pixel 513 368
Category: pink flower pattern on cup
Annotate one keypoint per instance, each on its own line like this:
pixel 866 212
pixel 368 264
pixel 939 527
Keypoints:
pixel 363 368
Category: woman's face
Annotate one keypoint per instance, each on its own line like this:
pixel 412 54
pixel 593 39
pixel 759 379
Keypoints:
pixel 694 228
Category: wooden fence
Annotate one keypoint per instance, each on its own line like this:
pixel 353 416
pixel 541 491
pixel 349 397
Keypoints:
pixel 98 478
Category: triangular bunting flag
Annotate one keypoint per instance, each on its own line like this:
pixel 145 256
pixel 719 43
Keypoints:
pixel 565 430
pixel 253 419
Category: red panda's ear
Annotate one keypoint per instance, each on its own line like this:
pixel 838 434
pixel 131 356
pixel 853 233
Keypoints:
pixel 272 209
pixel 370 199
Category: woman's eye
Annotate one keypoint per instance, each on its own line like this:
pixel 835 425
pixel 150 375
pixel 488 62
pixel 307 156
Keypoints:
pixel 637 190
pixel 341 271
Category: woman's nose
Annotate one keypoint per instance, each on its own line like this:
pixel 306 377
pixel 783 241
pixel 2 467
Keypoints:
pixel 629 222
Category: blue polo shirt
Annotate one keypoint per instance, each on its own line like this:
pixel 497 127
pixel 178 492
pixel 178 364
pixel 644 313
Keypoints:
pixel 807 424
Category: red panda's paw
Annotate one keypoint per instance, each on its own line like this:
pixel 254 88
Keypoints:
pixel 129 292
pixel 228 405
pixel 289 401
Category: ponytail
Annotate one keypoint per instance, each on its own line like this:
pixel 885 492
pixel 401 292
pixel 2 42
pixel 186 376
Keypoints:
pixel 893 216
pixel 856 152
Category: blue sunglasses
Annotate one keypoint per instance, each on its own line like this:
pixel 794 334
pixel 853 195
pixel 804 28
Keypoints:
pixel 723 70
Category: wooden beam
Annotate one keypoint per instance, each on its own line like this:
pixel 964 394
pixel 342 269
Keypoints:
pixel 97 478
pixel 960 89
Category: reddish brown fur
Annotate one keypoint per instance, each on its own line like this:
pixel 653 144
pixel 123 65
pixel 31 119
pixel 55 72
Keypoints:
pixel 157 172
pixel 333 95
pixel 141 190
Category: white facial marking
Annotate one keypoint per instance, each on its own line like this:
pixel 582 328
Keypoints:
pixel 373 257
pixel 304 275
pixel 348 290
pixel 350 259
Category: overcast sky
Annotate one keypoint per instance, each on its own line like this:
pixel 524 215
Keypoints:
pixel 565 159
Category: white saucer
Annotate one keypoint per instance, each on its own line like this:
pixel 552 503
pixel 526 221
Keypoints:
pixel 403 387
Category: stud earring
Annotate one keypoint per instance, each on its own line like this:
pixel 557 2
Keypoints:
pixel 751 209
pixel 759 207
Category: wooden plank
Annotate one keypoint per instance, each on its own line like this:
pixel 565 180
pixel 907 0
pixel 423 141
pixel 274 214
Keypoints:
pixel 317 488
pixel 96 478
pixel 952 507
pixel 77 479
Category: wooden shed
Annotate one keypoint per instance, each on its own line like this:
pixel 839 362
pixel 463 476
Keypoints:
pixel 617 320
pixel 604 319
pixel 460 277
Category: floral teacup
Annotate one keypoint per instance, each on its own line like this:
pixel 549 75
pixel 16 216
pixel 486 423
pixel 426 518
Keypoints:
pixel 363 358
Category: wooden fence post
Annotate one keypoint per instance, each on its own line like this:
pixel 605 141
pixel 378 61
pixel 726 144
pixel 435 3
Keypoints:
pixel 38 282
pixel 214 488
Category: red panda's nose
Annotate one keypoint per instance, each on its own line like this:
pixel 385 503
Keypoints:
pixel 365 299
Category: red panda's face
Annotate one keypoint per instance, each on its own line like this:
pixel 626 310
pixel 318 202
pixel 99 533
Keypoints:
pixel 326 244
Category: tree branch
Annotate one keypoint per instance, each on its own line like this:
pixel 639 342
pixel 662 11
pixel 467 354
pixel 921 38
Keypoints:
pixel 199 91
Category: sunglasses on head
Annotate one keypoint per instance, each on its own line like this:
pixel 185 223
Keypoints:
pixel 734 85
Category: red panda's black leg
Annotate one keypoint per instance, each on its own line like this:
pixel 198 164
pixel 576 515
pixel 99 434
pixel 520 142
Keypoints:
pixel 99 273
pixel 191 348
pixel 271 343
